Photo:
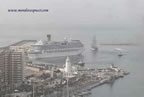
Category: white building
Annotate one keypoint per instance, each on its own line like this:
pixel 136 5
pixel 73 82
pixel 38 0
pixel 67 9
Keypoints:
pixel 68 70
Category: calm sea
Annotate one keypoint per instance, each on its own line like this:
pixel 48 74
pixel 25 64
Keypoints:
pixel 133 59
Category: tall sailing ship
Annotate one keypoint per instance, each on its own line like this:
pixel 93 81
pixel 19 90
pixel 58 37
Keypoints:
pixel 94 45
pixel 50 49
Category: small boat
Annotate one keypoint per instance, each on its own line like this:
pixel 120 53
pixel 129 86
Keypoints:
pixel 94 46
pixel 81 63
pixel 120 54
pixel 120 51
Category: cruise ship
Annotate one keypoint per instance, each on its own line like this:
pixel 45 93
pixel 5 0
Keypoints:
pixel 51 49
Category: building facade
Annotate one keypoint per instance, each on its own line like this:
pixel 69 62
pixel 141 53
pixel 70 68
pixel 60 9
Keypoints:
pixel 1 68
pixel 12 67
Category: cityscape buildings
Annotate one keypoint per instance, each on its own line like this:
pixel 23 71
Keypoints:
pixel 12 67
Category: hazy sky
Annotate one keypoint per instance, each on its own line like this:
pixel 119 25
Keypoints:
pixel 75 12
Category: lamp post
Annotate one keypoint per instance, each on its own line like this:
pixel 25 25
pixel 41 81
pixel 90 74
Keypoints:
pixel 33 88
pixel 67 87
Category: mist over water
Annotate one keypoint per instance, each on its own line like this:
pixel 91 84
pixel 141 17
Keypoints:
pixel 133 60
pixel 111 21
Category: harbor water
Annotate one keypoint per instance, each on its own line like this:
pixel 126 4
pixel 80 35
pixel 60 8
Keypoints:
pixel 132 60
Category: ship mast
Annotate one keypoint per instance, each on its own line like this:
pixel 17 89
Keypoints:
pixel 94 44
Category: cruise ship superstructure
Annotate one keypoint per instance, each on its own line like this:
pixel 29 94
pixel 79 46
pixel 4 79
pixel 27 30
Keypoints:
pixel 50 49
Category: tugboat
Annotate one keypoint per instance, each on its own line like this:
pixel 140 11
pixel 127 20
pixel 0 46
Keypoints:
pixel 94 46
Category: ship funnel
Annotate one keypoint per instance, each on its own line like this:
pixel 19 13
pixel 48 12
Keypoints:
pixel 49 37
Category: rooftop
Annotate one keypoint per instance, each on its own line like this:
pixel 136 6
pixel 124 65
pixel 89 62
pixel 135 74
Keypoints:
pixel 24 42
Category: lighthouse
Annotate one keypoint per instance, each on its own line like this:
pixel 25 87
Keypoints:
pixel 68 67
pixel 68 72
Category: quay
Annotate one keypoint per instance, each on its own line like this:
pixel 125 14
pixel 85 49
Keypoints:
pixel 71 80
pixel 21 43
pixel 85 79
pixel 90 82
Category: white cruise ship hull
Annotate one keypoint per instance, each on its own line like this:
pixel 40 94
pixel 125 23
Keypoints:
pixel 55 54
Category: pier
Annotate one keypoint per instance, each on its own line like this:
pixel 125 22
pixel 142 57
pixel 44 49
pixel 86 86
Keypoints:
pixel 83 83
pixel 49 80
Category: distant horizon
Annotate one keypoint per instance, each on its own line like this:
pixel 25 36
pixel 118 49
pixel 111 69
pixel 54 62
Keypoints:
pixel 74 12
pixel 97 26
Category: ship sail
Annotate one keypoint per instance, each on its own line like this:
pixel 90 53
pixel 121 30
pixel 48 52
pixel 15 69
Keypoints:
pixel 94 44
